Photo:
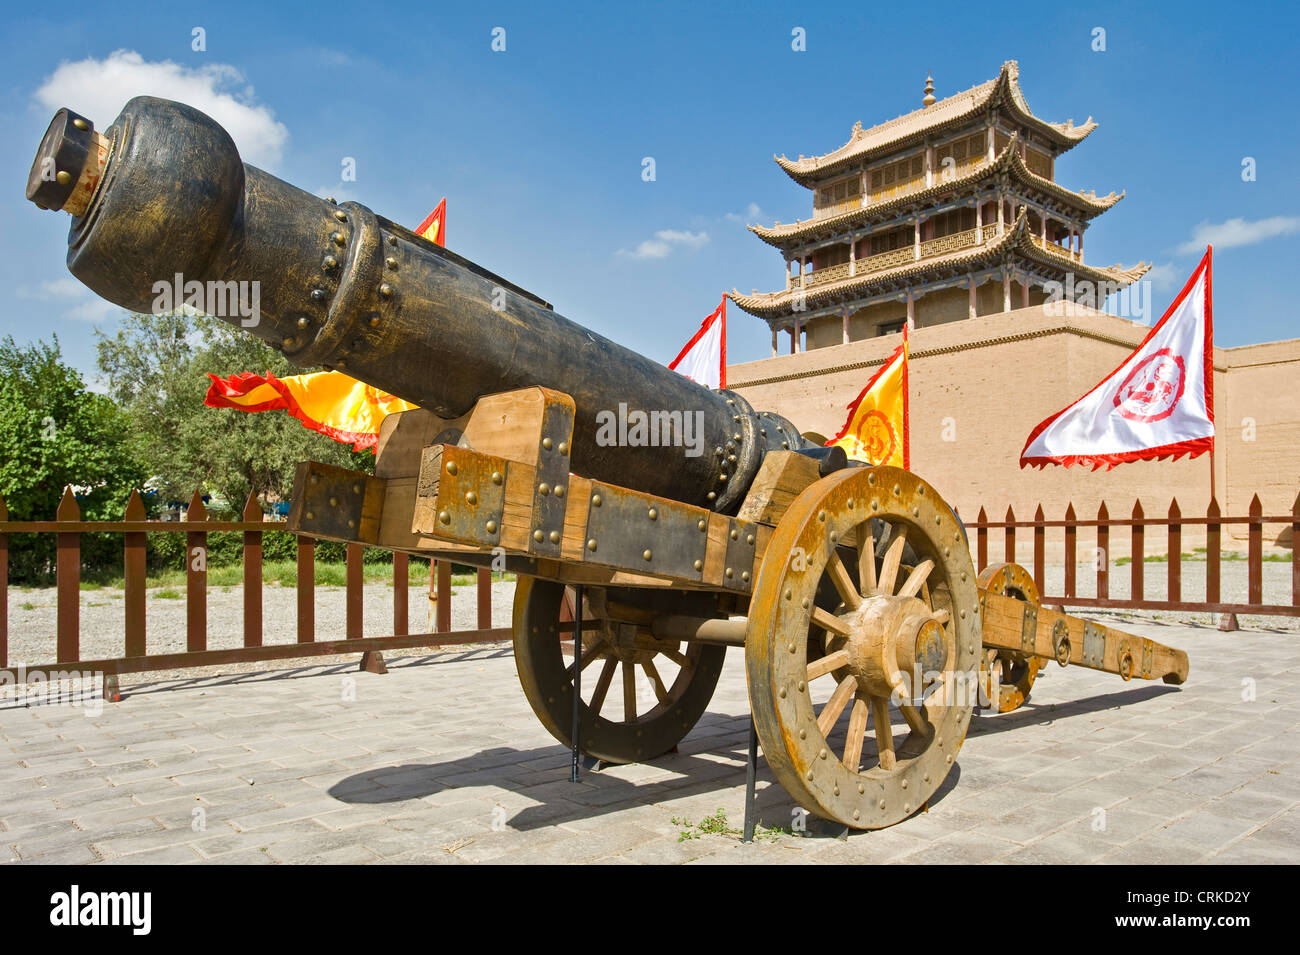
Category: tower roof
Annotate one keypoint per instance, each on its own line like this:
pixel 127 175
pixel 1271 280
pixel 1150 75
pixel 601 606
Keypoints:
pixel 1087 204
pixel 954 111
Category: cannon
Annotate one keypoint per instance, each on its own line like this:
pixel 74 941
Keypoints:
pixel 652 522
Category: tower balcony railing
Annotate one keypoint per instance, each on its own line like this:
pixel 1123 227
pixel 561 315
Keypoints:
pixel 1057 250
pixel 892 258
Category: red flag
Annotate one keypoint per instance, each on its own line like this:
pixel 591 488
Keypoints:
pixel 434 228
pixel 1158 404
pixel 704 359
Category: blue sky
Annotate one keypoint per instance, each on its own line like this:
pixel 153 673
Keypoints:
pixel 539 148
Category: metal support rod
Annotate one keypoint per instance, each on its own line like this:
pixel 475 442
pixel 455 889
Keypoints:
pixel 751 772
pixel 728 632
pixel 577 683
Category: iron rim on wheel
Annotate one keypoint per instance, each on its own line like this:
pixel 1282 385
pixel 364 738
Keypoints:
pixel 921 620
pixel 681 678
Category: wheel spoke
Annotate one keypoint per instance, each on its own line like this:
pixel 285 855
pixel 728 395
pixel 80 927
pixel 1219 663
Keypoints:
pixel 589 656
pixel 884 732
pixel 915 721
pixel 916 579
pixel 843 582
pixel 629 692
pixel 602 685
pixel 828 621
pixel 893 557
pixel 661 692
pixel 835 705
pixel 866 559
pixel 823 665
pixel 857 730
pixel 681 659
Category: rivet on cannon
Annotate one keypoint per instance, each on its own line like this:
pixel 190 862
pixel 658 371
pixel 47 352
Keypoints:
pixel 862 789
pixel 334 502
pixel 543 489
pixel 734 535
pixel 374 321
pixel 392 240
pixel 63 176
pixel 652 514
pixel 595 500
pixel 539 536
pixel 391 262
pixel 785 445
pixel 749 539
pixel 722 478
pixel 315 479
pixel 745 576
pixel 730 573
pixel 80 123
pixel 712 495
pixel 736 437
pixel 311 515
pixel 546 443
pixel 490 527
pixel 287 342
pixel 799 686
pixel 471 497
pixel 351 522
pixel 555 538
pixel 850 503
pixel 564 447
pixel 444 517
pixel 698 565
pixel 897 490
pixel 591 544
pixel 871 479
pixel 702 524
pixel 821 516
pixel 304 322
pixel 451 467
pixel 338 238
pixel 646 554
pixel 331 200
pixel 559 490
pixel 496 477
pixel 385 290
pixel 356 488
pixel 340 215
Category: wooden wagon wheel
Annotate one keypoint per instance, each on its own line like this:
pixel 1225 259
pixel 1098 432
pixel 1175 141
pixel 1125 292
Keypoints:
pixel 1007 676
pixel 905 646
pixel 646 723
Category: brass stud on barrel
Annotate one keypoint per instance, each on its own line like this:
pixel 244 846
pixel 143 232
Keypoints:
pixel 496 477
pixel 555 538
pixel 338 238
pixel 444 517
pixel 646 554
pixel 547 443
pixel 490 527
pixel 80 123
pixel 591 544
pixel 386 290
pixel 543 489
pixel 340 215
pixel 698 565
pixel 63 177
pixel 538 536
pixel 391 262
pixel 451 467
pixel 652 514
pixel 471 497
pixel 304 322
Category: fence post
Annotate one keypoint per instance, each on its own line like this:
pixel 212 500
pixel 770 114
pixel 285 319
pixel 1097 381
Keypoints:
pixel 252 574
pixel 1103 552
pixel 306 590
pixel 196 578
pixel 981 541
pixel 355 588
pixel 444 596
pixel 1175 552
pixel 1009 537
pixel 68 581
pixel 4 587
pixel 1213 542
pixel 1255 553
pixel 484 599
pixel 1138 551
pixel 1295 553
pixel 1071 549
pixel 1040 551
pixel 133 574
pixel 401 593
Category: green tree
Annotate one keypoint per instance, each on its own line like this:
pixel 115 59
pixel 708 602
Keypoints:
pixel 55 432
pixel 156 367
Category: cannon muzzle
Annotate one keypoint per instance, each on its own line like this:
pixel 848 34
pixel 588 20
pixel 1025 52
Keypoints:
pixel 165 214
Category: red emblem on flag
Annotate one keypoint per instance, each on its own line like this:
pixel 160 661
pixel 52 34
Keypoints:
pixel 1153 387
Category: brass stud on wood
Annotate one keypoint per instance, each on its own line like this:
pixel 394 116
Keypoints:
pixel 444 517
pixel 646 554
pixel 538 536
pixel 80 123
pixel 491 527
pixel 496 477
pixel 591 544
pixel 451 467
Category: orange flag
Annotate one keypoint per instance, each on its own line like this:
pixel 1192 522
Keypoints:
pixel 434 228
pixel 330 402
pixel 876 428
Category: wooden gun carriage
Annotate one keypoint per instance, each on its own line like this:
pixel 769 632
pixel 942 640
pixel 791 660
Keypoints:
pixel 868 637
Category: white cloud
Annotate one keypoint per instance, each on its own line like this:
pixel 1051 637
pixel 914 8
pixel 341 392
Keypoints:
pixel 752 213
pixel 663 243
pixel 100 88
pixel 1235 232
pixel 1163 276
pixel 74 299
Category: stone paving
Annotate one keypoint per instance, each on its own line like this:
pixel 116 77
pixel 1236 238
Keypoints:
pixel 442 761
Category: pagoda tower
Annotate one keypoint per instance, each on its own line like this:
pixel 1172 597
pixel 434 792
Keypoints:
pixel 948 212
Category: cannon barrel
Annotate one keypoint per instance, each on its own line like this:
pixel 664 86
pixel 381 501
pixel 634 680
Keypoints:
pixel 162 203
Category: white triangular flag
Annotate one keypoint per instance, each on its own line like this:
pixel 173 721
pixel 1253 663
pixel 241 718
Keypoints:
pixel 1158 404
pixel 704 359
